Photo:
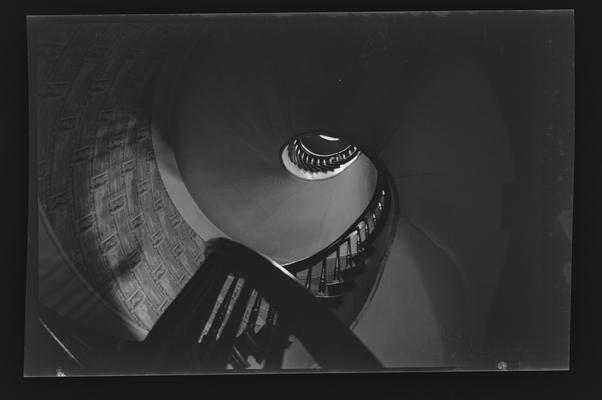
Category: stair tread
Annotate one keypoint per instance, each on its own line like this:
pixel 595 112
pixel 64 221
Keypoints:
pixel 326 295
pixel 339 287
pixel 339 282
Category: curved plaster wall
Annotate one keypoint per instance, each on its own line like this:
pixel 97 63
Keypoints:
pixel 228 154
pixel 449 160
pixel 98 182
pixel 442 140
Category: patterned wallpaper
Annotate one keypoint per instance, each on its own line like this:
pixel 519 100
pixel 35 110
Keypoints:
pixel 98 181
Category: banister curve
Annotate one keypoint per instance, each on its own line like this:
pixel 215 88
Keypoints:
pixel 303 264
pixel 322 155
pixel 327 339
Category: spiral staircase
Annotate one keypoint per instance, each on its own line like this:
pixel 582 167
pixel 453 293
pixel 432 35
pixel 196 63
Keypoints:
pixel 241 311
pixel 399 245
pixel 228 308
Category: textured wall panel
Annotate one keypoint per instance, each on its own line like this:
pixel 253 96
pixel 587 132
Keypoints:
pixel 97 177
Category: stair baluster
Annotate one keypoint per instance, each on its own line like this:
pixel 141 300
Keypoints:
pixel 277 342
pixel 308 278
pixel 322 284
pixel 246 344
pixel 349 254
pixel 337 266
pixel 268 329
pixel 227 337
pixel 207 344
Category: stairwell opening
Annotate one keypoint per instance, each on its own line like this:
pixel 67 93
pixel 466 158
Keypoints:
pixel 317 156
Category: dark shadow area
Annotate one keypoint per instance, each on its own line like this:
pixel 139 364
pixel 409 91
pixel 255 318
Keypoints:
pixel 533 78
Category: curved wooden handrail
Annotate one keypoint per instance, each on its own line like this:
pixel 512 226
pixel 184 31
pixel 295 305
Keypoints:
pixel 328 340
pixel 175 344
pixel 175 335
pixel 312 260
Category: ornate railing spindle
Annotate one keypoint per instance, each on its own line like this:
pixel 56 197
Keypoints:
pixel 308 278
pixel 358 240
pixel 221 312
pixel 252 322
pixel 322 284
pixel 337 266
pixel 349 254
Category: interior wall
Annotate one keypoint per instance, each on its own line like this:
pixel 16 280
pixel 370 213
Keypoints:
pixel 76 300
pixel 484 170
pixel 98 182
pixel 529 324
pixel 229 126
pixel 416 314
pixel 449 160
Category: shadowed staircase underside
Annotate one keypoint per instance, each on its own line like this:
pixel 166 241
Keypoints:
pixel 215 324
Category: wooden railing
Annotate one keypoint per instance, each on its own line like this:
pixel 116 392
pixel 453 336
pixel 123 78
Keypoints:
pixel 238 311
pixel 241 304
pixel 311 162
pixel 323 273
